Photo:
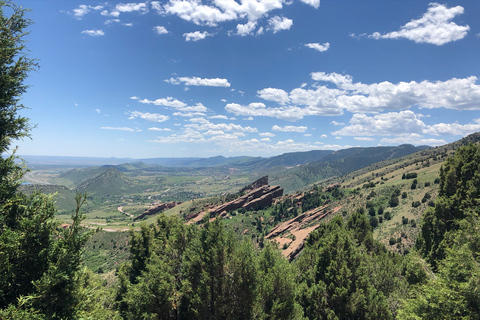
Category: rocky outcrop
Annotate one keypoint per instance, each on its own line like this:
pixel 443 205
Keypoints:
pixel 156 209
pixel 258 198
pixel 296 227
pixel 263 181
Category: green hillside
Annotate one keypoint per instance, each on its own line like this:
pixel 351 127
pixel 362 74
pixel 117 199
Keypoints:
pixel 110 182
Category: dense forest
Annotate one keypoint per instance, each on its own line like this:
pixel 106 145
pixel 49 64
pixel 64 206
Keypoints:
pixel 179 271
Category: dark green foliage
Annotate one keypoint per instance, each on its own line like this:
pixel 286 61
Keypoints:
pixel 458 194
pixel 387 215
pixel 374 222
pixel 345 274
pixel 450 242
pixel 410 175
pixel 183 272
pixel 393 202
pixel 413 186
pixel 404 195
pixel 416 204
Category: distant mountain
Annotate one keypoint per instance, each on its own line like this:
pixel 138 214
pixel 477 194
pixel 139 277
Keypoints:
pixel 338 163
pixel 110 182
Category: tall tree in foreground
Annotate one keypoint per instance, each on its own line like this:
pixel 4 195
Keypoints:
pixel 39 261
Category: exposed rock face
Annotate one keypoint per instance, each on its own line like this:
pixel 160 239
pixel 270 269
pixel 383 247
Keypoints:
pixel 263 181
pixel 296 227
pixel 258 198
pixel 156 209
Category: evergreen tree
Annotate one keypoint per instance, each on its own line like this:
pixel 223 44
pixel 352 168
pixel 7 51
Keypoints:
pixel 39 260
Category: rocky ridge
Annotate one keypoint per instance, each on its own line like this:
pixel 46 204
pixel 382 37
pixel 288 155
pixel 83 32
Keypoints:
pixel 156 209
pixel 259 195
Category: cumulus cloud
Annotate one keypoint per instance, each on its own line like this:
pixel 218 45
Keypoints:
pixel 84 9
pixel 176 104
pixel 413 138
pixel 121 129
pixel 434 27
pixel 313 3
pixel 201 124
pixel 276 24
pixel 159 129
pixel 196 36
pixel 196 81
pixel 357 97
pixel 246 29
pixel 391 123
pixel 404 125
pixel 453 128
pixel 219 116
pixel 289 128
pixel 94 33
pixel 160 30
pixel 319 47
pixel 266 134
pixel 132 7
pixel 273 94
pixel 154 117
pixel 217 11
pixel 364 139
pixel 189 135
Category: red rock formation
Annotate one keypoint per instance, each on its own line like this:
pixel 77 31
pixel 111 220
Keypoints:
pixel 156 209
pixel 257 198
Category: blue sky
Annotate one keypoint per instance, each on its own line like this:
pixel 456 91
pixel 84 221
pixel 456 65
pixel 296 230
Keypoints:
pixel 183 78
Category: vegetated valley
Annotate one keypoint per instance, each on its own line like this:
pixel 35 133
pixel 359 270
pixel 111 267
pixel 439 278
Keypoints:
pixel 219 240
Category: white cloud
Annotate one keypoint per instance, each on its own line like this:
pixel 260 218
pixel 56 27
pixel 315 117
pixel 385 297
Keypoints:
pixel 290 113
pixel 196 81
pixel 319 47
pixel 265 140
pixel 189 135
pixel 335 78
pixel 121 129
pixel 434 27
pixel 111 21
pixel 94 33
pixel 219 117
pixel 413 138
pixel 160 30
pixel 453 128
pixel 266 134
pixel 248 119
pixel 357 97
pixel 134 98
pixel 201 124
pixel 277 24
pixel 392 123
pixel 98 110
pixel 132 7
pixel 307 135
pixel 159 129
pixel 155 117
pixel 246 29
pixel 273 94
pixel 197 35
pixel 323 136
pixel 364 139
pixel 313 3
pixel 218 10
pixel 289 128
pixel 335 123
pixel 176 104
pixel 84 9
